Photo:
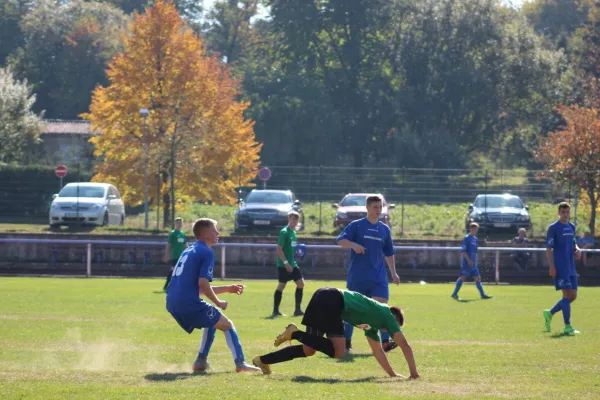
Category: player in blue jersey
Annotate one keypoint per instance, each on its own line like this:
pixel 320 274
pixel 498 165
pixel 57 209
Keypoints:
pixel 191 278
pixel 468 252
pixel 561 250
pixel 371 245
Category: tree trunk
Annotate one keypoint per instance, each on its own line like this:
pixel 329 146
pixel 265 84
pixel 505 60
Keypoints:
pixel 593 204
pixel 166 197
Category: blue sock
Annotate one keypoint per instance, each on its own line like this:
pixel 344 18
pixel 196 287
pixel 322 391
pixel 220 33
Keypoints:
pixel 208 337
pixel 480 288
pixel 233 341
pixel 557 307
pixel 566 309
pixel 348 330
pixel 459 283
pixel 385 336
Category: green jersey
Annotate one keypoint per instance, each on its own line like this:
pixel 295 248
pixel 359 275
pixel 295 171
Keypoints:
pixel 287 240
pixel 368 314
pixel 177 241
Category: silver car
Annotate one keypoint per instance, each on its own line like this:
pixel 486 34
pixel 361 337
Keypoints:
pixel 87 203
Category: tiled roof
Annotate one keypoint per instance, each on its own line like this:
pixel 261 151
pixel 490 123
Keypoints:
pixel 66 127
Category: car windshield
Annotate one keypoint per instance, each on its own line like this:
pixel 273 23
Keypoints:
pixel 82 191
pixel 354 201
pixel 498 202
pixel 268 198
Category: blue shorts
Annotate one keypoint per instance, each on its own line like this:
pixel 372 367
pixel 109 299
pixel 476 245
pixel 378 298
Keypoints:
pixel 206 317
pixel 569 282
pixel 469 272
pixel 370 289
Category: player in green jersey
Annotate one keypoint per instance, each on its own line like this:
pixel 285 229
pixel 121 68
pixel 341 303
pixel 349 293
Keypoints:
pixel 176 244
pixel 287 269
pixel 325 315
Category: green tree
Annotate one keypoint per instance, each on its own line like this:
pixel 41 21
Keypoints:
pixel 19 126
pixel 11 35
pixel 65 53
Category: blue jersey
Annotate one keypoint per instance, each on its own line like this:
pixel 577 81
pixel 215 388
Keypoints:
pixel 183 293
pixel 377 240
pixel 561 239
pixel 469 246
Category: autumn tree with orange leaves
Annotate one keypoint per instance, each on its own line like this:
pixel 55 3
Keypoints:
pixel 197 136
pixel 572 153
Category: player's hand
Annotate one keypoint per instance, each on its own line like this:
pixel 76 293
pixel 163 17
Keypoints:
pixel 222 305
pixel 236 289
pixel 552 272
pixel 358 249
pixel 288 268
pixel 577 254
pixel 395 278
pixel 165 259
pixel 470 262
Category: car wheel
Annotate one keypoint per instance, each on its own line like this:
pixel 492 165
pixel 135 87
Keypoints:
pixel 54 226
pixel 122 222
pixel 105 220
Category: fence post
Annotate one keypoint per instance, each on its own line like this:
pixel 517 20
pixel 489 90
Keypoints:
pixel 89 260
pixel 402 194
pixel 497 267
pixel 320 197
pixel 222 262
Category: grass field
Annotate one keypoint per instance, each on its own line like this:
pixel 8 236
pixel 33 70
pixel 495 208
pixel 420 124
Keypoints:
pixel 421 221
pixel 112 338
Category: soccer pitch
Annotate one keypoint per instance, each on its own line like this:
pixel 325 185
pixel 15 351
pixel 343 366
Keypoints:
pixel 112 338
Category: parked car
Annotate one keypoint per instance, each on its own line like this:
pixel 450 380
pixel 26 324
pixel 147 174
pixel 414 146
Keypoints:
pixel 87 203
pixel 267 210
pixel 497 212
pixel 354 206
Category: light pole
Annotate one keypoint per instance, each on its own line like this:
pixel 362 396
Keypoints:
pixel 144 113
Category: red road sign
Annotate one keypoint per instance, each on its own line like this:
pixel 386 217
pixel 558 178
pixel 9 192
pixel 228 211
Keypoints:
pixel 61 171
pixel 264 174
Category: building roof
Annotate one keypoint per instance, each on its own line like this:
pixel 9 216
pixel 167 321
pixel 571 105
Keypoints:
pixel 66 127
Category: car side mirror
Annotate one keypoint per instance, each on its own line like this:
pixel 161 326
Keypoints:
pixel 470 207
pixel 390 206
pixel 296 202
pixel 335 205
pixel 55 195
pixel 527 207
pixel 112 196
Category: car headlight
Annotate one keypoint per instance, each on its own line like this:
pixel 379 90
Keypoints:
pixel 96 207
pixel 524 218
pixel 54 206
pixel 341 215
pixel 478 216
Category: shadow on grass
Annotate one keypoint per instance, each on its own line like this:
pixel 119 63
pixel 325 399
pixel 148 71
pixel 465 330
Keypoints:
pixel 308 379
pixel 159 292
pixel 560 335
pixel 348 358
pixel 177 376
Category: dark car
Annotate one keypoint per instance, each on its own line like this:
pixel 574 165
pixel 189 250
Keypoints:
pixel 498 212
pixel 267 210
pixel 354 206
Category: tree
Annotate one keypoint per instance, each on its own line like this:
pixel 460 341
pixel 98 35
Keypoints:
pixel 571 153
pixel 65 53
pixel 19 126
pixel 196 134
pixel 11 35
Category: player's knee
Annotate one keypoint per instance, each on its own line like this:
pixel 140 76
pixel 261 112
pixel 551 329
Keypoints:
pixel 573 297
pixel 224 324
pixel 308 351
pixel 281 286
pixel 300 284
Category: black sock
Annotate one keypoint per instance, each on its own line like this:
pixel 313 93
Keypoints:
pixel 299 292
pixel 287 354
pixel 278 296
pixel 168 279
pixel 318 343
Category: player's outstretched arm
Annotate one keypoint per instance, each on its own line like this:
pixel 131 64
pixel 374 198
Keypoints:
pixel 237 289
pixel 401 341
pixel 209 292
pixel 381 357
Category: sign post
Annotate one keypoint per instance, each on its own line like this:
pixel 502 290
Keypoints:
pixel 61 172
pixel 264 174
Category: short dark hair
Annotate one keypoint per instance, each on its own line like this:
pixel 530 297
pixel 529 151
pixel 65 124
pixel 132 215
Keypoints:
pixel 201 224
pixel 563 205
pixel 373 199
pixel 398 314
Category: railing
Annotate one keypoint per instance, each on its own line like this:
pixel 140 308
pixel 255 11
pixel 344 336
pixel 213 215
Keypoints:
pixel 223 249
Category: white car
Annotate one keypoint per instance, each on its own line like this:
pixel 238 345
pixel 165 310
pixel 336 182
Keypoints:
pixel 87 203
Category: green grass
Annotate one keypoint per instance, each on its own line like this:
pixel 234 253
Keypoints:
pixel 112 338
pixel 421 221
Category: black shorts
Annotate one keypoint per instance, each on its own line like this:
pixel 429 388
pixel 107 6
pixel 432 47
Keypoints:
pixel 283 276
pixel 323 315
pixel 172 263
